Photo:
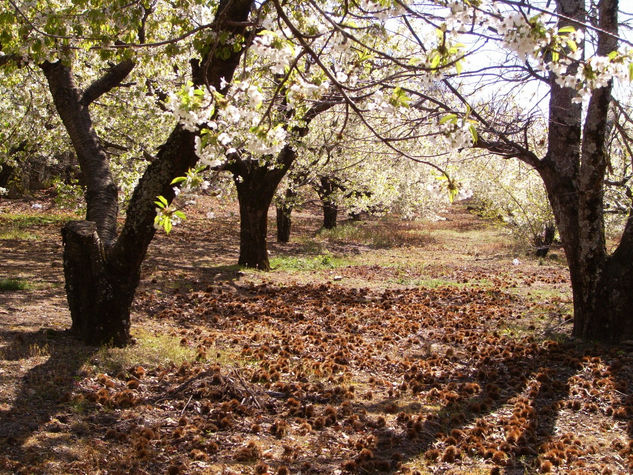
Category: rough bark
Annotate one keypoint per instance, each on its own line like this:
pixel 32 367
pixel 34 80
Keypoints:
pixel 102 268
pixel 253 229
pixel 284 209
pixel 99 299
pixel 574 172
pixel 101 191
pixel 256 185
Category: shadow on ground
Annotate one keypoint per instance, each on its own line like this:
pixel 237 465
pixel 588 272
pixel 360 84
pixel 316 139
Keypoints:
pixel 44 390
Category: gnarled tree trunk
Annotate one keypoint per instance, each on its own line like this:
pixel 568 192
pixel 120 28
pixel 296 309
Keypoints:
pixel 99 299
pixel 253 227
pixel 256 185
pixel 101 267
pixel 574 171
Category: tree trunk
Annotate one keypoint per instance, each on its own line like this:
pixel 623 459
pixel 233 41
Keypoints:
pixel 330 212
pixel 99 299
pixel 325 189
pixel 284 222
pixel 284 211
pixel 256 185
pixel 604 314
pixel 253 229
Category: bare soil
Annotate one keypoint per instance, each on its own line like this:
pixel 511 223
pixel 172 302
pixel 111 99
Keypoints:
pixel 428 351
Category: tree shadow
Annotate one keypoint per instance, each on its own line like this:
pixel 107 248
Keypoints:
pixel 44 389
pixel 536 385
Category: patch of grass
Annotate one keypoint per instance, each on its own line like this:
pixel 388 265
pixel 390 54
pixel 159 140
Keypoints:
pixel 19 226
pixel 437 283
pixel 540 295
pixel 310 246
pixel 18 235
pixel 318 262
pixel 7 285
pixel 23 221
pixel 150 350
pixel 381 234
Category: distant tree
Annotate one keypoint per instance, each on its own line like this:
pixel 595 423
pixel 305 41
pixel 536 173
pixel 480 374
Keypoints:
pixel 256 180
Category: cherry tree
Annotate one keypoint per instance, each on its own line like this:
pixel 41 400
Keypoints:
pixel 403 61
pixel 102 263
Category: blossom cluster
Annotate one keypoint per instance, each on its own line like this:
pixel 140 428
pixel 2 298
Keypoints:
pixel 459 133
pixel 272 51
pixel 595 73
pixel 191 106
pixel 553 50
pixel 302 90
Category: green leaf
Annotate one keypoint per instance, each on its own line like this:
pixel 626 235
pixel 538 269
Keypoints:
pixel 631 71
pixel 167 226
pixel 452 193
pixel 435 60
pixel 180 214
pixel 473 132
pixel 448 117
pixel 177 180
pixel 612 55
pixel 572 45
pixel 161 201
pixel 566 29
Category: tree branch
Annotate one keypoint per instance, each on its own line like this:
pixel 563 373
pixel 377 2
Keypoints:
pixel 111 79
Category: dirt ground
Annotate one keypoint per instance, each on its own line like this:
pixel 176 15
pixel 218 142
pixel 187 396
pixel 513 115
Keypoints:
pixel 382 347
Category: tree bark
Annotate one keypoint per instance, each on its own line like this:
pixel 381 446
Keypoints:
pixel 574 172
pixel 253 229
pixel 73 108
pixel 256 185
pixel 284 209
pixel 99 299
pixel 325 189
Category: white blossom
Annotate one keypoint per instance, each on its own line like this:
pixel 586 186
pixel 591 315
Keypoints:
pixel 224 138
